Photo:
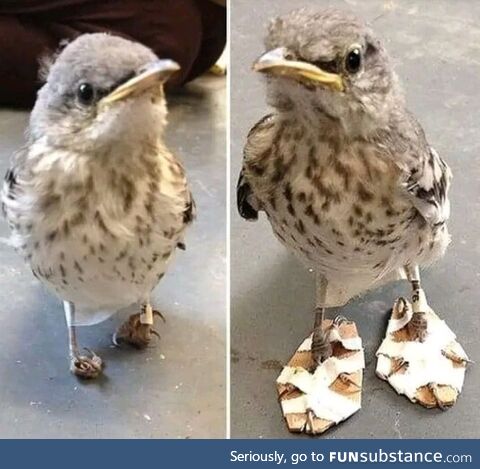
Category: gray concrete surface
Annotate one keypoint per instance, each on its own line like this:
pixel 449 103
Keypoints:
pixel 175 389
pixel 436 47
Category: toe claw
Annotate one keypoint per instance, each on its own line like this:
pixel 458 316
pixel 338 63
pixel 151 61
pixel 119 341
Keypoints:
pixel 159 314
pixel 344 378
pixel 288 389
pixel 136 333
pixel 401 306
pixel 397 365
pixel 339 320
pixel 91 352
pixel 85 367
pixel 455 358
pixel 115 340
pixel 434 389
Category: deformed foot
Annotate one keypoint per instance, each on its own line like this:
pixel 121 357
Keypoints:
pixel 311 405
pixel 321 342
pixel 135 332
pixel 321 347
pixel 87 367
pixel 417 327
pixel 420 356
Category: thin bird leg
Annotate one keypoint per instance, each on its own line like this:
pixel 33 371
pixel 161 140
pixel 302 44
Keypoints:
pixel 413 276
pixel 417 327
pixel 72 342
pixel 80 365
pixel 321 348
pixel 69 309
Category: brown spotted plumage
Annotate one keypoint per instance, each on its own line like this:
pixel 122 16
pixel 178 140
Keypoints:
pixel 358 193
pixel 95 190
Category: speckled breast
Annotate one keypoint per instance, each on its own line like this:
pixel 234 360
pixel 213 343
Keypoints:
pixel 340 208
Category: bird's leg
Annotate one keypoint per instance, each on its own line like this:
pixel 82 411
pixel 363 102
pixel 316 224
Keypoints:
pixel 417 327
pixel 80 365
pixel 321 347
pixel 138 329
pixel 422 344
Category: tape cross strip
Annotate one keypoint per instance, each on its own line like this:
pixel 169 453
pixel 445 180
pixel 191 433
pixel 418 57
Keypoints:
pixel 431 372
pixel 330 394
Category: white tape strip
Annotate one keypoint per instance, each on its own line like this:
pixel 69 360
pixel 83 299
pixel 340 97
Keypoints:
pixel 439 336
pixel 324 402
pixel 324 375
pixel 397 324
pixel 147 316
pixel 352 343
pixel 426 361
pixel 306 345
pixel 330 405
pixel 297 376
pixel 438 370
pixel 419 302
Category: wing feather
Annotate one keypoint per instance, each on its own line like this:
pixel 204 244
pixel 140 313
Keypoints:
pixel 428 188
pixel 247 203
pixel 426 176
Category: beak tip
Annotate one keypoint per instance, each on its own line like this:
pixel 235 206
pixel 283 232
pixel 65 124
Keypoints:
pixel 167 65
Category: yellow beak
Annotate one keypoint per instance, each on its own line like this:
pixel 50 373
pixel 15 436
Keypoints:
pixel 157 73
pixel 274 62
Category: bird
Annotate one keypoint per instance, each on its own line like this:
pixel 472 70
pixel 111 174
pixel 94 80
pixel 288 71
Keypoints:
pixel 341 168
pixel 96 203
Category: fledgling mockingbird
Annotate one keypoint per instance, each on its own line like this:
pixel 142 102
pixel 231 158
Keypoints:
pixel 341 168
pixel 96 202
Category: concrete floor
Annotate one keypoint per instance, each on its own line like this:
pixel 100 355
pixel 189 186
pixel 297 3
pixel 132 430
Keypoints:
pixel 437 55
pixel 175 389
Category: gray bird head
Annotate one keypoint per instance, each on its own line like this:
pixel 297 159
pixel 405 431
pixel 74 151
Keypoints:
pixel 329 62
pixel 99 90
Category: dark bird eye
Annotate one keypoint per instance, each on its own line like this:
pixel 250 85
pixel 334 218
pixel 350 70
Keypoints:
pixel 353 61
pixel 86 93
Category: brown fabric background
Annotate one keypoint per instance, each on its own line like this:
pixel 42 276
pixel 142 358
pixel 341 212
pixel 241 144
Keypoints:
pixel 191 32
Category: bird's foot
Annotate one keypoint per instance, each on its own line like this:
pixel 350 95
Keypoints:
pixel 309 404
pixel 417 327
pixel 322 343
pixel 86 367
pixel 420 356
pixel 136 332
pixel 321 347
